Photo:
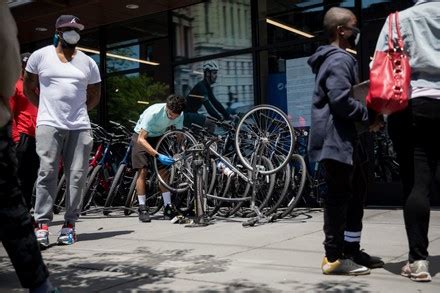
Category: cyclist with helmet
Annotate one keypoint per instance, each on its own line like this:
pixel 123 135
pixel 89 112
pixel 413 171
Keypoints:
pixel 202 94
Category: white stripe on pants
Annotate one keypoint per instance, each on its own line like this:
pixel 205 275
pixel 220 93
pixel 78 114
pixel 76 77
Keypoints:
pixel 75 147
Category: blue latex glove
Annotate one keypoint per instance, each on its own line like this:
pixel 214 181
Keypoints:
pixel 165 160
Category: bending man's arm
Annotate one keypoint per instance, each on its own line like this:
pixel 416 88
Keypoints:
pixel 142 140
pixel 30 86
pixel 93 95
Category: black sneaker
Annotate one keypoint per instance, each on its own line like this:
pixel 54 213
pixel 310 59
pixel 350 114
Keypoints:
pixel 143 214
pixel 364 259
pixel 169 211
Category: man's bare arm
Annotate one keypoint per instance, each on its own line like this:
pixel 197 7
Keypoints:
pixel 30 86
pixel 142 140
pixel 93 95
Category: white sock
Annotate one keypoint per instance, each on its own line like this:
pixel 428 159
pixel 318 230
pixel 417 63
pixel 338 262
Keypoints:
pixel 141 199
pixel 166 198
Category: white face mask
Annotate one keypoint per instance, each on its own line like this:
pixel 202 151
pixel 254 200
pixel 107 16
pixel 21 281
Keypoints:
pixel 71 37
pixel 358 37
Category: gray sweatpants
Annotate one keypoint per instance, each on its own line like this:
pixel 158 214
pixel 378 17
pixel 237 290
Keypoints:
pixel 74 146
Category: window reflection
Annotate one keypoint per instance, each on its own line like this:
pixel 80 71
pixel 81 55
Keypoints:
pixel 138 67
pixel 130 94
pixel 211 27
pixel 289 20
pixel 116 64
pixel 233 88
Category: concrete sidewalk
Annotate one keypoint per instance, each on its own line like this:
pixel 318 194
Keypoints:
pixel 120 254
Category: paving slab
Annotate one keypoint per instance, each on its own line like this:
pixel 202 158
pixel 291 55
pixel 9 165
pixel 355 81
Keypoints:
pixel 120 254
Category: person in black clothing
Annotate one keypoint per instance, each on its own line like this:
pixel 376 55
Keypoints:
pixel 202 95
pixel 334 143
pixel 414 131
pixel 16 229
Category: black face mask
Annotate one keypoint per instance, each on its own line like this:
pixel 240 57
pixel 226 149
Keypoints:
pixel 353 40
pixel 65 45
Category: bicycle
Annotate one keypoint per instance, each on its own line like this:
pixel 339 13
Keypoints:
pixel 99 181
pixel 257 136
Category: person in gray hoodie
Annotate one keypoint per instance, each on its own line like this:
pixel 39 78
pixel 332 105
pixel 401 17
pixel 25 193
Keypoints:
pixel 334 143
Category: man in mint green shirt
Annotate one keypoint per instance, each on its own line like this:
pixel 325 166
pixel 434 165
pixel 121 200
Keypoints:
pixel 152 124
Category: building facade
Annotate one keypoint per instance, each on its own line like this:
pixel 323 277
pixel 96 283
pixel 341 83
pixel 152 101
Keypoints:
pixel 149 49
pixel 146 51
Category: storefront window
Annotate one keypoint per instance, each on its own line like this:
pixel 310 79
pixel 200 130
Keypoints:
pixel 130 94
pixel 233 88
pixel 288 20
pixel 290 83
pixel 138 67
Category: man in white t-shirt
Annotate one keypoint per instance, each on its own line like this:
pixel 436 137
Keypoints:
pixel 69 86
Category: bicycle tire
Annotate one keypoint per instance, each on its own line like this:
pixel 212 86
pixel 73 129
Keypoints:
pixel 298 181
pixel 131 196
pixel 154 199
pixel 242 208
pixel 89 194
pixel 236 188
pixel 283 177
pixel 266 180
pixel 261 125
pixel 114 188
pixel 221 186
pixel 183 160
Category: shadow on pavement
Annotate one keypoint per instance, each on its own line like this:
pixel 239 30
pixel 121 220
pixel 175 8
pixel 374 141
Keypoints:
pixel 101 235
pixel 434 266
pixel 119 272
pixel 352 286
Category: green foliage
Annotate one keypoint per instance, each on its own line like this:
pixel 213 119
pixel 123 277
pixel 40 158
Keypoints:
pixel 124 92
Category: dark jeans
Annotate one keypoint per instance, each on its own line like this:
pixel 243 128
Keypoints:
pixel 343 205
pixel 425 114
pixel 400 132
pixel 16 229
pixel 28 164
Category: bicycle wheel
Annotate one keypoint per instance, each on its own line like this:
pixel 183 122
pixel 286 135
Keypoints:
pixel 297 182
pixel 178 177
pixel 131 196
pixel 220 188
pixel 265 130
pixel 91 188
pixel 265 184
pixel 282 184
pixel 154 200
pixel 114 188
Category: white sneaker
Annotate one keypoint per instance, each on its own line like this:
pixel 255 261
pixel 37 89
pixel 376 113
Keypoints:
pixel 67 236
pixel 42 237
pixel 417 271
